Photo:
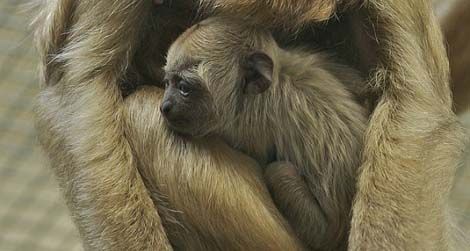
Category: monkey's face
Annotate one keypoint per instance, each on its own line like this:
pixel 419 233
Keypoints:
pixel 211 69
pixel 187 105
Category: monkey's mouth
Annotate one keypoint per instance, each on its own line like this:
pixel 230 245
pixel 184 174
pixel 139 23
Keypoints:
pixel 181 127
pixel 178 125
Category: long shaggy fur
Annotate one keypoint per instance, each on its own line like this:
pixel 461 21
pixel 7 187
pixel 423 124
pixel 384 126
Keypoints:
pixel 90 48
pixel 306 117
pixel 413 142
pixel 216 197
pixel 86 47
pixel 290 14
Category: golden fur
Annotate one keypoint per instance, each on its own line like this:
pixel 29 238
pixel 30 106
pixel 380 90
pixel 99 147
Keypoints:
pixel 414 142
pixel 286 13
pixel 90 49
pixel 80 103
pixel 210 197
pixel 306 117
pixel 87 129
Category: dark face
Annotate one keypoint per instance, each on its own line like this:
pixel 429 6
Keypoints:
pixel 211 69
pixel 187 105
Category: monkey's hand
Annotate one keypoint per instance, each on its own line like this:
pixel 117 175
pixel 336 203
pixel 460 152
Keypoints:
pixel 288 13
pixel 294 199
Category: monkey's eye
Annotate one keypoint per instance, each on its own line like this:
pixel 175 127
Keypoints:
pixel 166 82
pixel 184 87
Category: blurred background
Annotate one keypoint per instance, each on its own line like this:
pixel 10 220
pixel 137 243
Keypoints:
pixel 32 213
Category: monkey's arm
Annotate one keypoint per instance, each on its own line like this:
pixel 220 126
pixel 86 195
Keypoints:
pixel 85 46
pixel 414 142
pixel 97 174
pixel 293 197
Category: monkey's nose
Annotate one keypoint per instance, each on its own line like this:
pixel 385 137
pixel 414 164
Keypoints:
pixel 166 107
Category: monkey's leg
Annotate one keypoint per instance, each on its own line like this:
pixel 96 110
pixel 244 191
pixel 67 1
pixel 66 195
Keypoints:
pixel 293 197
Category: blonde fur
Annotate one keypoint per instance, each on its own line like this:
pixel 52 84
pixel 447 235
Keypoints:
pixel 214 197
pixel 89 49
pixel 306 117
pixel 413 142
pixel 81 103
pixel 98 145
pixel 286 13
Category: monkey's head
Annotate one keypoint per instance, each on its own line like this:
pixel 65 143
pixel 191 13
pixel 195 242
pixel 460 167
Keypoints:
pixel 211 70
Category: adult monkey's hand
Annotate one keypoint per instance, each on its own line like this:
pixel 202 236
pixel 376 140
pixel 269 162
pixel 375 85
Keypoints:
pixel 287 13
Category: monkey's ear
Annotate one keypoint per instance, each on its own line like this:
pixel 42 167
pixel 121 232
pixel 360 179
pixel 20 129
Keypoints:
pixel 259 73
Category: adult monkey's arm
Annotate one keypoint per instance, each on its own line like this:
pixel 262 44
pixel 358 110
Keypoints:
pixel 414 141
pixel 85 47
